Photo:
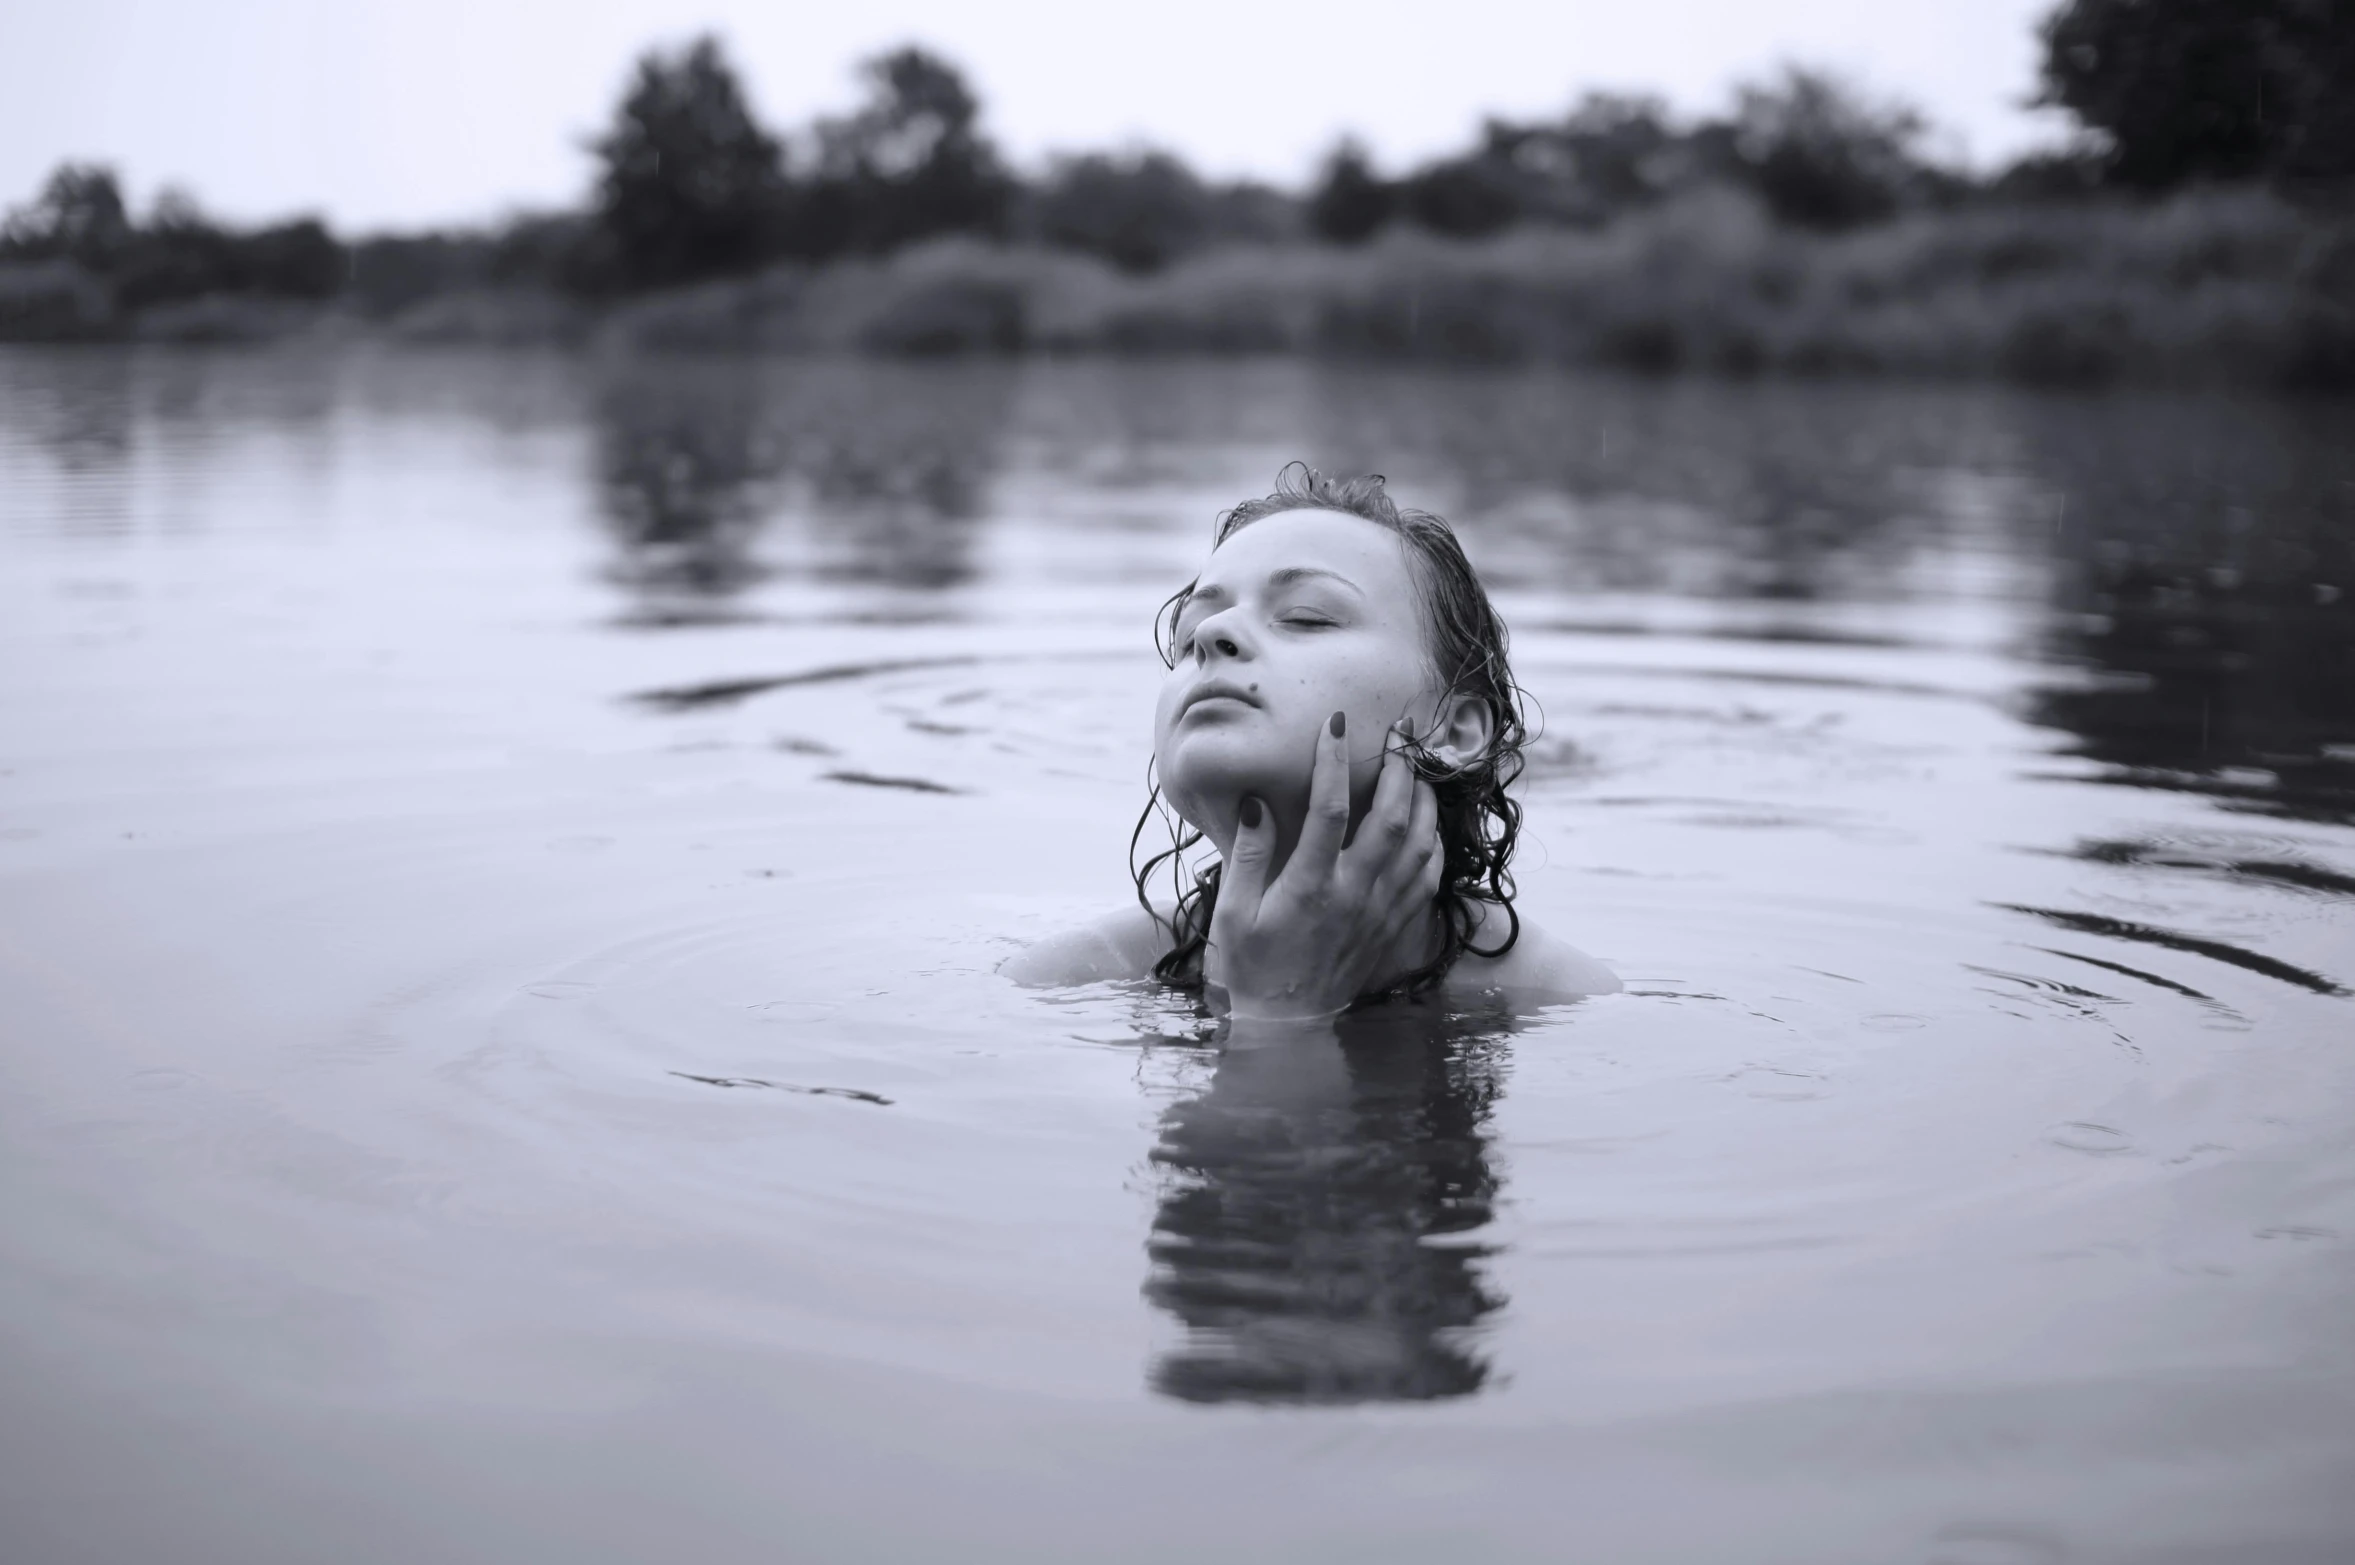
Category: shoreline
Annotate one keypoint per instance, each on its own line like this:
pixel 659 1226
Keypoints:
pixel 2219 287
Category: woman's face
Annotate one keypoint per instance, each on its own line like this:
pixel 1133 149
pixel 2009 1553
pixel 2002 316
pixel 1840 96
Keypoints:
pixel 1297 616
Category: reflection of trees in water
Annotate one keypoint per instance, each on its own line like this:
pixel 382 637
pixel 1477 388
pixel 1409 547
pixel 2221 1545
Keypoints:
pixel 2210 590
pixel 898 465
pixel 75 405
pixel 885 467
pixel 1312 1229
pixel 1708 488
pixel 112 421
pixel 2205 547
pixel 687 464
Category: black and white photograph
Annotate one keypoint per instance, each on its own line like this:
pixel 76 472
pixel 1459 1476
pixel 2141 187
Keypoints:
pixel 1253 784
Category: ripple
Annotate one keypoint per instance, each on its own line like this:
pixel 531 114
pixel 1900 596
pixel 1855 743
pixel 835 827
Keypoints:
pixel 2198 945
pixel 877 780
pixel 726 692
pixel 2085 1136
pixel 857 1094
pixel 2300 874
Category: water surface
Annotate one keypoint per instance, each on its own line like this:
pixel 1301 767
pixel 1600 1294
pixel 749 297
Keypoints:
pixel 502 862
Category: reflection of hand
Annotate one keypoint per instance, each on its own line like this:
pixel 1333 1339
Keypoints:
pixel 1305 946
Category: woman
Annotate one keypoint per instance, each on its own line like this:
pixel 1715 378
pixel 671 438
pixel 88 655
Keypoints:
pixel 1341 724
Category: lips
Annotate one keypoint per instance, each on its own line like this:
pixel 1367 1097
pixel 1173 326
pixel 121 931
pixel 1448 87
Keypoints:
pixel 1215 689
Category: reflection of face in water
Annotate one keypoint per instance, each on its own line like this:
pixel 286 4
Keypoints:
pixel 1313 1229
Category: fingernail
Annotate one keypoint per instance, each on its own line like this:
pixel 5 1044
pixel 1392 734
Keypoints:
pixel 1250 813
pixel 1339 724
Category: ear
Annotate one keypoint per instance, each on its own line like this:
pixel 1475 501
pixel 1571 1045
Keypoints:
pixel 1461 730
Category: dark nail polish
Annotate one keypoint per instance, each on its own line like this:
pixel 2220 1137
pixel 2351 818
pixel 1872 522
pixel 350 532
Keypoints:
pixel 1340 724
pixel 1250 813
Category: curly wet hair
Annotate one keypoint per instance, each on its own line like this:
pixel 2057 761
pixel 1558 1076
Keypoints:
pixel 1479 821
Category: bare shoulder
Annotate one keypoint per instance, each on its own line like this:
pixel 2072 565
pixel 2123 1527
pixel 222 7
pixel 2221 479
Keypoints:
pixel 1125 944
pixel 1538 965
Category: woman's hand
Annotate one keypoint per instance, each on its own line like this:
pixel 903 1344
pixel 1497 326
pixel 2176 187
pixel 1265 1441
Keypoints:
pixel 1305 946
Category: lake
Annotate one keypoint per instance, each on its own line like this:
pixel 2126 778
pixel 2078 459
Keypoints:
pixel 503 860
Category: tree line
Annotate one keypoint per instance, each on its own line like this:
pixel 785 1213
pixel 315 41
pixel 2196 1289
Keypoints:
pixel 690 185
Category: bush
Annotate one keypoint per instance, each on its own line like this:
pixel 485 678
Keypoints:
pixel 1140 211
pixel 52 301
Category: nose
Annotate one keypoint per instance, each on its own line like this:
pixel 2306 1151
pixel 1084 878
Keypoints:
pixel 1221 636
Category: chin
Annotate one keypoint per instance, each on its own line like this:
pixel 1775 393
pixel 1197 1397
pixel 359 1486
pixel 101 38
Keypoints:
pixel 1205 774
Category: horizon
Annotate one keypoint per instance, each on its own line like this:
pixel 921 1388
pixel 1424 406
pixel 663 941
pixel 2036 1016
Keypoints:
pixel 518 91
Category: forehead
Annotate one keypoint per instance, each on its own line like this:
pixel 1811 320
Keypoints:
pixel 1372 556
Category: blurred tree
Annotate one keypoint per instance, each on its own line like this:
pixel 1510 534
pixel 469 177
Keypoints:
pixel 1821 155
pixel 691 185
pixel 1252 212
pixel 555 249
pixel 909 164
pixel 1473 195
pixel 2071 174
pixel 78 216
pixel 2208 89
pixel 1351 203
pixel 298 260
pixel 1140 211
pixel 177 254
pixel 1612 152
pixel 390 272
pixel 1609 154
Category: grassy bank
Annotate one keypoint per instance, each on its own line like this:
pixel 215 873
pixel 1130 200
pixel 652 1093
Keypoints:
pixel 2225 287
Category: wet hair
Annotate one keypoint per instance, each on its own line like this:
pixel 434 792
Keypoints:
pixel 1479 822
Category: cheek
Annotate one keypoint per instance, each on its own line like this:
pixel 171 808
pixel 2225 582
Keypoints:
pixel 1371 689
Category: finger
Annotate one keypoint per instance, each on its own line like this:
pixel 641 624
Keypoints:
pixel 1243 879
pixel 1328 804
pixel 1423 895
pixel 1412 874
pixel 1435 866
pixel 1388 821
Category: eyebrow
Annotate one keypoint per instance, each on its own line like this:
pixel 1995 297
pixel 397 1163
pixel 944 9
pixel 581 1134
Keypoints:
pixel 1290 575
pixel 1296 573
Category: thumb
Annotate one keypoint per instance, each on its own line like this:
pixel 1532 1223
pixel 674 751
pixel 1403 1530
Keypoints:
pixel 1244 879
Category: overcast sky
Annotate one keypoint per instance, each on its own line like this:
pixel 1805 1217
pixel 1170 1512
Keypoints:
pixel 382 113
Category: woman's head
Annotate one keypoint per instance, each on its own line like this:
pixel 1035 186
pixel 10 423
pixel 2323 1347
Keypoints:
pixel 1321 597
